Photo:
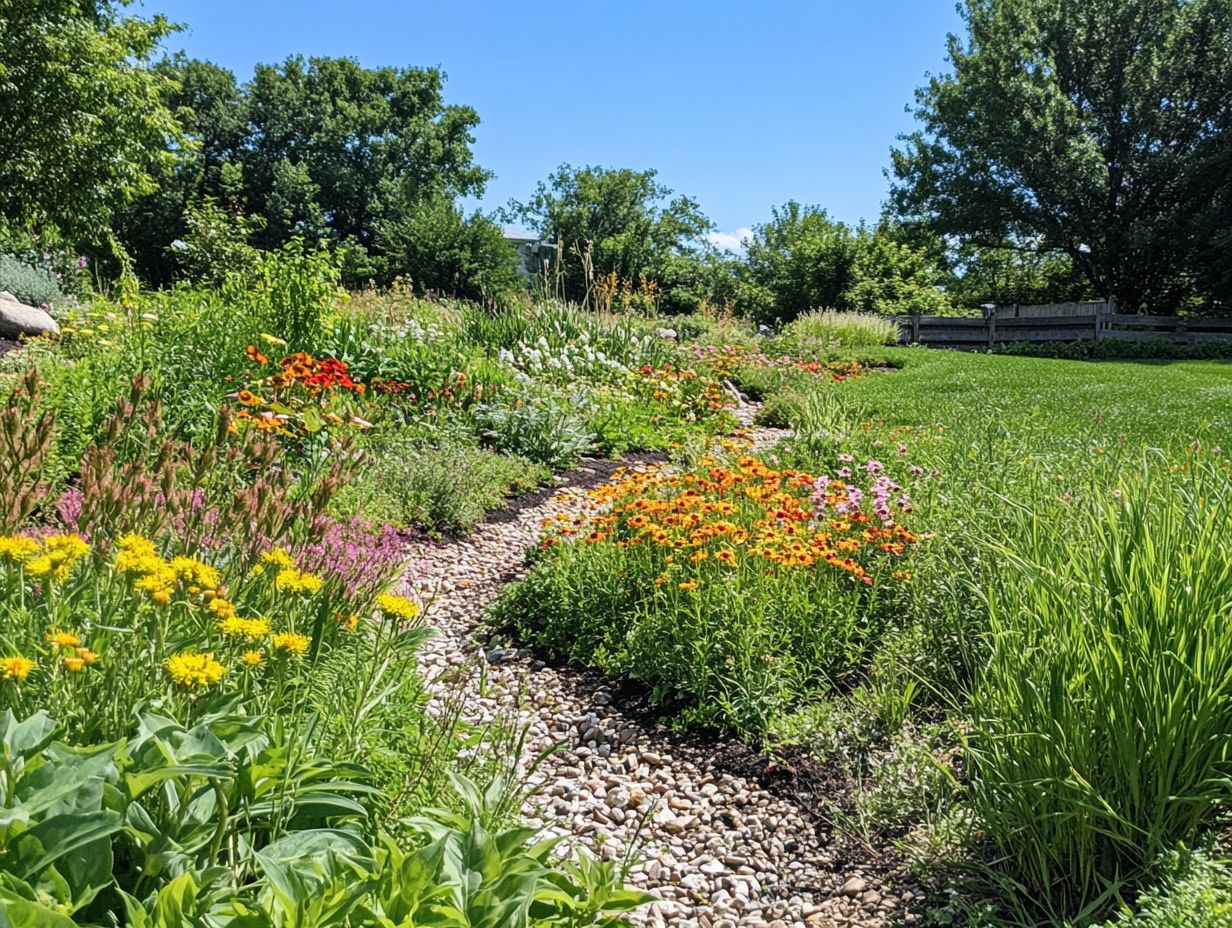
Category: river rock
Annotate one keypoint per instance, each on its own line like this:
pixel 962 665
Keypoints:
pixel 16 318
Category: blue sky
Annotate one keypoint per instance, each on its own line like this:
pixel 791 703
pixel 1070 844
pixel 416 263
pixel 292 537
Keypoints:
pixel 740 105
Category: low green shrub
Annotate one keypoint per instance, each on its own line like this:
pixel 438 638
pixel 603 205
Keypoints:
pixel 1115 349
pixel 546 426
pixel 1194 891
pixel 446 487
pixel 735 592
pixel 32 284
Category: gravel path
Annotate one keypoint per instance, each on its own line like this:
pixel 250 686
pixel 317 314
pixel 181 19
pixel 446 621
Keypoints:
pixel 715 847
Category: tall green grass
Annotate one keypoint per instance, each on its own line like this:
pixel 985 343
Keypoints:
pixel 1102 720
pixel 842 329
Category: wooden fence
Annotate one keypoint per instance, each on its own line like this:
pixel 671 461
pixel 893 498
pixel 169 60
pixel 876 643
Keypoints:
pixel 1064 322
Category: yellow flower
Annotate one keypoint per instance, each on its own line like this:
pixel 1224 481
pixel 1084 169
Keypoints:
pixel 223 608
pixel 16 548
pixel 348 621
pixel 40 566
pixel 297 581
pixel 189 568
pixel 15 668
pixel 279 557
pixel 90 657
pixel 194 670
pixel 252 658
pixel 74 664
pixel 136 544
pixel 290 642
pixel 397 607
pixel 66 547
pixel 161 596
pixel 235 627
pixel 63 639
pixel 689 585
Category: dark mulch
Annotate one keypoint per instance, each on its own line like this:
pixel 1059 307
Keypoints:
pixel 7 345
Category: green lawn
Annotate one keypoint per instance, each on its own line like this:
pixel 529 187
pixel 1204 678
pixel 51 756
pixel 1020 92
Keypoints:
pixel 1165 404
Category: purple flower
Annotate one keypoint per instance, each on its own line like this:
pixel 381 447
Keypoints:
pixel 846 458
pixel 844 472
pixel 874 466
pixel 916 470
pixel 82 262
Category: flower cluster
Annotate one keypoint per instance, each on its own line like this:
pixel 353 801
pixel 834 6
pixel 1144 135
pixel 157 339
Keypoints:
pixel 750 515
pixel 843 497
pixel 728 360
pixel 51 557
pixel 682 389
pixel 299 397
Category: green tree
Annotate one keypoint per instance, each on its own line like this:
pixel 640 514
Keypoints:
pixel 333 142
pixel 803 258
pixel 890 276
pixel 437 247
pixel 626 221
pixel 85 119
pixel 1098 130
pixel 204 167
pixel 1012 272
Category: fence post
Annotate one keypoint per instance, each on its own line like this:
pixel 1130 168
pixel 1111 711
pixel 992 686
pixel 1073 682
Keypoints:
pixel 990 321
pixel 915 327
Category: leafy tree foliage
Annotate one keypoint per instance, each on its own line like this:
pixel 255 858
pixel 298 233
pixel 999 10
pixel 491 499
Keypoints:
pixel 1097 130
pixel 625 222
pixel 320 149
pixel 84 118
pixel 441 248
pixel 805 260
pixel 1012 273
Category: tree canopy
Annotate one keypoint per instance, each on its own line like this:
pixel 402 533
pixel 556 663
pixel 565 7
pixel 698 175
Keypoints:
pixel 1098 130
pixel 320 148
pixel 630 223
pixel 85 120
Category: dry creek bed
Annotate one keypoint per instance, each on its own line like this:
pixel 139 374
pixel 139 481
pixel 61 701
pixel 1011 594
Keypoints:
pixel 715 846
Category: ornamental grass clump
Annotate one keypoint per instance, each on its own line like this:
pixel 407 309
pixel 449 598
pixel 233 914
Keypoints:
pixel 1101 731
pixel 734 591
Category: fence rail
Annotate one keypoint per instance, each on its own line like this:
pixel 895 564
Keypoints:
pixel 1065 322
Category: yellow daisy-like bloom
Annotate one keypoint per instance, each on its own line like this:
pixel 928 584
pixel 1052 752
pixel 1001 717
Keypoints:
pixel 74 664
pixel 17 548
pixel 291 580
pixel 348 621
pixel 397 607
pixel 689 585
pixel 63 639
pixel 236 627
pixel 193 670
pixel 90 657
pixel 279 557
pixel 252 658
pixel 136 544
pixel 70 547
pixel 15 668
pixel 191 569
pixel 223 608
pixel 290 642
pixel 40 566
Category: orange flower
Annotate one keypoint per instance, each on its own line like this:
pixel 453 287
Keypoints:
pixel 255 356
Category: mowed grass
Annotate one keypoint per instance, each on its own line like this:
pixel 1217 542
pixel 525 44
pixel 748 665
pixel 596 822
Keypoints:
pixel 1058 405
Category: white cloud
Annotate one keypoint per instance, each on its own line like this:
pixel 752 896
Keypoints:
pixel 730 241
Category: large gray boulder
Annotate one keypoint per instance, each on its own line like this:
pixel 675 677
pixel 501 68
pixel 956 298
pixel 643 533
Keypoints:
pixel 16 318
